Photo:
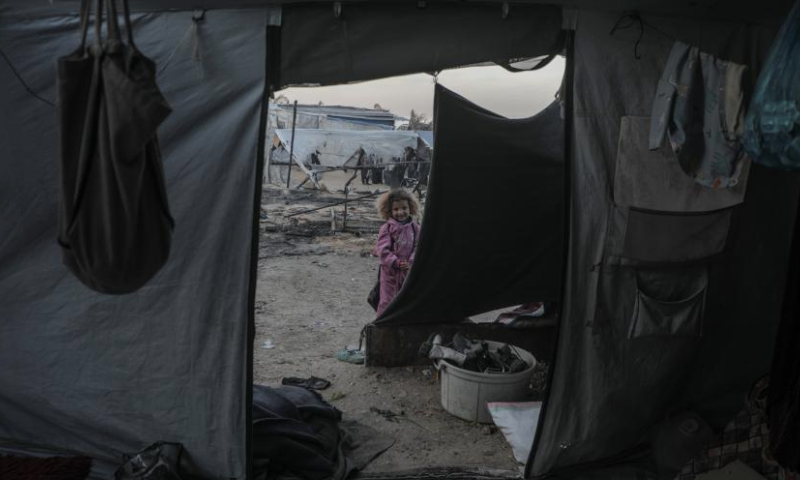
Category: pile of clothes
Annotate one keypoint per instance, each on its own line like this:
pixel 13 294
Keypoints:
pixel 474 355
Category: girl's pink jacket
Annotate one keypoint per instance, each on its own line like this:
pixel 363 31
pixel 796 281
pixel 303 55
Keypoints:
pixel 396 241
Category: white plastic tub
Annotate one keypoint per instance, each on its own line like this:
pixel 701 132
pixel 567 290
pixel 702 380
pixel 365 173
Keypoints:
pixel 465 393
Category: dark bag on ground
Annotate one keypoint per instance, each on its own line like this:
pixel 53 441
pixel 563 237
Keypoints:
pixel 159 461
pixel 115 224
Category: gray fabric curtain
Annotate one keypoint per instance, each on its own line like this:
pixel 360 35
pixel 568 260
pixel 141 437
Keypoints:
pixel 492 233
pixel 371 40
pixel 100 374
pixel 710 265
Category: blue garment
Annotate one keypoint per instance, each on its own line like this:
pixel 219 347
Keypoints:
pixel 700 103
pixel 772 133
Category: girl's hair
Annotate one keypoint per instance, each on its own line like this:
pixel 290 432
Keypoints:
pixel 385 201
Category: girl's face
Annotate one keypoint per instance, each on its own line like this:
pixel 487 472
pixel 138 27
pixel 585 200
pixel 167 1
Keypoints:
pixel 400 210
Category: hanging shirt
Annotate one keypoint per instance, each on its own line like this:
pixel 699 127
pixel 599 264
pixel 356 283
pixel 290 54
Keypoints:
pixel 700 103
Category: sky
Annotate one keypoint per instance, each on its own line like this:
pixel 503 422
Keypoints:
pixel 513 95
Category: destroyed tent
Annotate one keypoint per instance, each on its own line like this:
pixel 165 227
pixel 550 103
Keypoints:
pixel 318 151
pixel 99 375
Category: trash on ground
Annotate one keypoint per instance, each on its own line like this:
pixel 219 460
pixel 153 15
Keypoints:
pixel 521 316
pixel 517 421
pixel 337 396
pixel 268 344
pixel 395 417
pixel 351 356
pixel 314 383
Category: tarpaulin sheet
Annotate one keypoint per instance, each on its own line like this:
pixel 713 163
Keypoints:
pixel 618 370
pixel 492 232
pixel 337 148
pixel 100 374
pixel 372 40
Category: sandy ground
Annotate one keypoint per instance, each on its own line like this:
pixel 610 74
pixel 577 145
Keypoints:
pixel 311 302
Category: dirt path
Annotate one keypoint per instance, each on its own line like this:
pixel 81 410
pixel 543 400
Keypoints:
pixel 311 295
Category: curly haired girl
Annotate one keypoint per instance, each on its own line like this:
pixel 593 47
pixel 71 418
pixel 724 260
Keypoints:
pixel 397 242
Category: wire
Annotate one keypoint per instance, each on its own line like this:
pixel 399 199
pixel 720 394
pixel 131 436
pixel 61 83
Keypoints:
pixel 634 18
pixel 19 77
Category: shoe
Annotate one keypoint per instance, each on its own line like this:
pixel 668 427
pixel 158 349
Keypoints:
pixel 351 356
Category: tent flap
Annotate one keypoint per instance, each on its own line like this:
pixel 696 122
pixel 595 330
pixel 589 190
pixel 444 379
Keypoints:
pixel 370 40
pixel 98 374
pixel 492 231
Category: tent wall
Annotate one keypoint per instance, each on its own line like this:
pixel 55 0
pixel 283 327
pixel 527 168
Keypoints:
pixel 492 235
pixel 610 389
pixel 99 374
pixel 371 40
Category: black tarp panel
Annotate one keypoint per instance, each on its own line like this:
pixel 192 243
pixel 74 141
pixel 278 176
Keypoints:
pixel 371 40
pixel 101 374
pixel 492 232
pixel 616 376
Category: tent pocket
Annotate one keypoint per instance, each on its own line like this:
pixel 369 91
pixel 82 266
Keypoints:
pixel 669 303
pixel 661 215
pixel 659 237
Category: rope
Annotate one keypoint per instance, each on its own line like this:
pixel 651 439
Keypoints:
pixel 22 81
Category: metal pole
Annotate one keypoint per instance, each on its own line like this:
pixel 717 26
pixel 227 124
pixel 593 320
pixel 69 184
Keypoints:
pixel 291 146
pixel 333 204
pixel 347 194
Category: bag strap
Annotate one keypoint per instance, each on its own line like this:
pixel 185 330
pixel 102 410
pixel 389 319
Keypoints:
pixel 85 5
pixel 112 25
pixel 128 29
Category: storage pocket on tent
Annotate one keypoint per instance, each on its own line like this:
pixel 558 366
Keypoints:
pixel 660 237
pixel 669 302
pixel 653 179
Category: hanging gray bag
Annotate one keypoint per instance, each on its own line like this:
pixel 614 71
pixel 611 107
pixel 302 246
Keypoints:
pixel 115 224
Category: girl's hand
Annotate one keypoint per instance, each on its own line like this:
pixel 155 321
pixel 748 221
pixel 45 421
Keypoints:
pixel 403 264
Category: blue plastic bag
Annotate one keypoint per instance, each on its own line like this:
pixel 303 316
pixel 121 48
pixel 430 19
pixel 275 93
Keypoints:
pixel 772 126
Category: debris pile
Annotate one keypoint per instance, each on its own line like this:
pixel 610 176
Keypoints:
pixel 473 355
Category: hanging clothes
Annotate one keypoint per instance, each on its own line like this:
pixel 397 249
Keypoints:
pixel 115 223
pixel 700 102
pixel 772 132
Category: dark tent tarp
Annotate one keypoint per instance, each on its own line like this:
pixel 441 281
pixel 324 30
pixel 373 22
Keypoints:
pixel 492 232
pixel 615 377
pixel 101 374
pixel 372 40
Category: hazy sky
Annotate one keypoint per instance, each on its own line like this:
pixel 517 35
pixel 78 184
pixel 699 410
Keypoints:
pixel 509 94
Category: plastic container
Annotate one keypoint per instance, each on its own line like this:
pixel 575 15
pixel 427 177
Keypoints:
pixel 465 393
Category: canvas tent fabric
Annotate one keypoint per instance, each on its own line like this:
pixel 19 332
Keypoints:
pixel 48 325
pixel 372 40
pixel 102 375
pixel 612 385
pixel 476 255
